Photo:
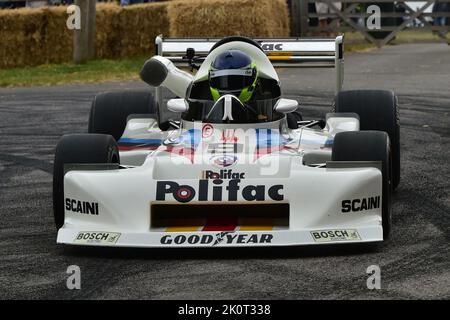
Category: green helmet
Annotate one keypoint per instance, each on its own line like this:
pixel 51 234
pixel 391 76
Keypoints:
pixel 233 72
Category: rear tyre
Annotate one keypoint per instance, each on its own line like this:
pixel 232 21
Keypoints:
pixel 110 110
pixel 77 149
pixel 377 110
pixel 369 146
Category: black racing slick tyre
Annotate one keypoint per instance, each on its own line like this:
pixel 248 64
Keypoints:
pixel 369 146
pixel 377 110
pixel 79 149
pixel 110 110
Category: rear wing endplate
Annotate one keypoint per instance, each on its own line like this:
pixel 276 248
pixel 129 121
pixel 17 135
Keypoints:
pixel 283 53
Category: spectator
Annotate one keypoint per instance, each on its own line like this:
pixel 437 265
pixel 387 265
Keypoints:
pixel 313 22
pixel 12 4
pixel 37 3
pixel 441 7
pixel 325 8
pixel 129 2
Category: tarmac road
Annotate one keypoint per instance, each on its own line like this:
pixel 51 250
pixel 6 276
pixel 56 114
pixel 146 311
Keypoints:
pixel 414 264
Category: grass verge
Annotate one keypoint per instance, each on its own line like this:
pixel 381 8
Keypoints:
pixel 55 74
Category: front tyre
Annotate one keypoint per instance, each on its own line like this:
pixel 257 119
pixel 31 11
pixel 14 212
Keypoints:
pixel 369 146
pixel 78 149
pixel 377 110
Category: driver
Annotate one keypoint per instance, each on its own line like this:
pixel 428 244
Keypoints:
pixel 233 72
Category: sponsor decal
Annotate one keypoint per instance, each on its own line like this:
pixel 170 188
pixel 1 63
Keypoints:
pixel 130 144
pixel 100 237
pixel 224 160
pixel 207 130
pixel 272 46
pixel 186 193
pixel 268 141
pixel 229 135
pixel 219 238
pixel 335 235
pixel 363 204
pixel 82 206
pixel 224 154
pixel 222 174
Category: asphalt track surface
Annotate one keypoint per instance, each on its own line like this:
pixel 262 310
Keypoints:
pixel 414 263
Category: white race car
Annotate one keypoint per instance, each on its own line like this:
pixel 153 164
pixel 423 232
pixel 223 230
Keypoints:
pixel 215 168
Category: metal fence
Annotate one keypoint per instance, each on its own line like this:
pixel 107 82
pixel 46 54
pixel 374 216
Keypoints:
pixel 352 15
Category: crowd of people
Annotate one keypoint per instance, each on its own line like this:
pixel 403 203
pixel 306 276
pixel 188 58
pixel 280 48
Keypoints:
pixel 441 21
pixel 130 2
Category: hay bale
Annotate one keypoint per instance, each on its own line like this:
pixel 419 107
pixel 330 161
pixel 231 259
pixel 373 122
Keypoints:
pixel 139 26
pixel 107 31
pixel 129 31
pixel 34 36
pixel 219 18
pixel 58 39
pixel 21 34
pixel 39 36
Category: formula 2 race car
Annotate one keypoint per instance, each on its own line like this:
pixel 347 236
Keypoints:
pixel 228 161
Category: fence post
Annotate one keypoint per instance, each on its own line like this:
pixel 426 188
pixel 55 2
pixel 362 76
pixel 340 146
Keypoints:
pixel 92 28
pixel 295 17
pixel 299 18
pixel 84 39
pixel 304 18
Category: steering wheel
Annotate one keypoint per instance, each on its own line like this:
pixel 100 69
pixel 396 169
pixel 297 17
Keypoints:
pixel 243 107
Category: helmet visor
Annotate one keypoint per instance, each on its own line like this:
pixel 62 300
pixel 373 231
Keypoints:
pixel 231 80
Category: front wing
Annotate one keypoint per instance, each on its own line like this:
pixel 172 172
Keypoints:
pixel 324 206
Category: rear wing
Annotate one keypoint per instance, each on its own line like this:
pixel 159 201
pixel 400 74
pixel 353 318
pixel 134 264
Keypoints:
pixel 284 53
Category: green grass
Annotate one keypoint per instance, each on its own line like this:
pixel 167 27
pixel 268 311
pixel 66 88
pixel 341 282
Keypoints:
pixel 54 74
pixel 417 37
pixel 128 69
pixel 355 42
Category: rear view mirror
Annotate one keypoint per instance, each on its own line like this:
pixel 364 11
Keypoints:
pixel 286 105
pixel 177 105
